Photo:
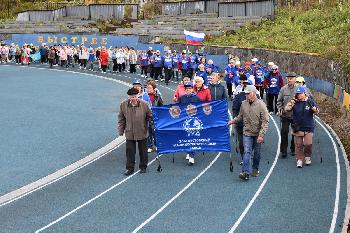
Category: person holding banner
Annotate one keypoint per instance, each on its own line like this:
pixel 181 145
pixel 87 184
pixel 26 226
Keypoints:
pixel 181 90
pixel 255 117
pixel 133 120
pixel 189 97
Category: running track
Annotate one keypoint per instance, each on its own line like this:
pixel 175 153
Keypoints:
pixel 92 195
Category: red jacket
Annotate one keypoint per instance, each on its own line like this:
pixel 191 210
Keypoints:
pixel 104 57
pixel 203 93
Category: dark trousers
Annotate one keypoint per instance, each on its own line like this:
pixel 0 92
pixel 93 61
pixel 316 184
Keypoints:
pixel 239 131
pixel 284 135
pixel 131 151
pixel 115 65
pixel 168 72
pixel 157 72
pixel 18 58
pixel 272 102
pixel 229 89
pixel 120 67
pixel 144 70
pixel 261 90
pixel 132 68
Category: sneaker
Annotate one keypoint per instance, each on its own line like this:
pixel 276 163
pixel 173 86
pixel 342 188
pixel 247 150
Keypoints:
pixel 162 79
pixel 283 155
pixel 255 172
pixel 187 157
pixel 307 161
pixel 241 163
pixel 149 150
pixel 190 161
pixel 244 176
pixel 299 163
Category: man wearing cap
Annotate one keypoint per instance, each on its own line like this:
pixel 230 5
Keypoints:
pixel 133 120
pixel 285 95
pixel 230 74
pixel 254 114
pixel 168 67
pixel 189 97
pixel 157 64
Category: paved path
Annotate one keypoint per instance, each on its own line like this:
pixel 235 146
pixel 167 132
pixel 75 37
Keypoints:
pixel 207 197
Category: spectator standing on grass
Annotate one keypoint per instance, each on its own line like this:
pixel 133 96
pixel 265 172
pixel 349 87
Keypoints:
pixel 133 120
pixel 254 114
pixel 285 95
pixel 303 110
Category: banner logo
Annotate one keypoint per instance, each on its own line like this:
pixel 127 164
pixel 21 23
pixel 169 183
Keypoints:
pixel 193 126
pixel 207 109
pixel 175 111
pixel 191 110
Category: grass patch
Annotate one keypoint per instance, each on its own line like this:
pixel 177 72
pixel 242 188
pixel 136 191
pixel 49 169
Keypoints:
pixel 322 30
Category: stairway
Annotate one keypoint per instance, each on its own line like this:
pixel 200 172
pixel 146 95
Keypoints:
pixel 173 26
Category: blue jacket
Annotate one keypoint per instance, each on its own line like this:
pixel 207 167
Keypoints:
pixel 144 59
pixel 168 62
pixel 204 75
pixel 273 83
pixel 185 62
pixel 230 70
pixel 43 51
pixel 303 115
pixel 236 106
pixel 146 98
pixel 193 98
pixel 157 61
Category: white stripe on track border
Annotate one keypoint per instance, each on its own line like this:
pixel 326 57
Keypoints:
pixel 177 195
pixel 234 227
pixel 345 157
pixel 337 190
pixel 70 169
pixel 92 199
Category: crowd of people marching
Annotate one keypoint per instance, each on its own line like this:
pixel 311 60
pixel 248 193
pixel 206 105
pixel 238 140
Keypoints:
pixel 200 81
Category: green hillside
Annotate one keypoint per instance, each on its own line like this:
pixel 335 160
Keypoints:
pixel 324 30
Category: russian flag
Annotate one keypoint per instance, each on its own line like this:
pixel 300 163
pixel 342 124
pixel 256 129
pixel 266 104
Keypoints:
pixel 194 37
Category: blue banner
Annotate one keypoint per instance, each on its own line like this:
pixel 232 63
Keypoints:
pixel 192 127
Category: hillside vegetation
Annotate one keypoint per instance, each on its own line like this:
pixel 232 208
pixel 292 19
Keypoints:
pixel 322 30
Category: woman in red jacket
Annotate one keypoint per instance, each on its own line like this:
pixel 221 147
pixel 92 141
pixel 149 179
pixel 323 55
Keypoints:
pixel 201 90
pixel 104 59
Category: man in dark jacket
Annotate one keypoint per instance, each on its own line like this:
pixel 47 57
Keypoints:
pixel 189 97
pixel 236 106
pixel 217 91
pixel 133 120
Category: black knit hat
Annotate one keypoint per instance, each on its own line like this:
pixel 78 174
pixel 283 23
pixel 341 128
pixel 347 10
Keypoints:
pixel 133 91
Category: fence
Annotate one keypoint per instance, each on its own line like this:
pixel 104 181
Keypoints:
pixel 252 8
pixel 95 11
pixel 189 7
pixel 223 8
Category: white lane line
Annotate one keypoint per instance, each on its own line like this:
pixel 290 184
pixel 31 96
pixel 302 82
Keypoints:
pixel 337 190
pixel 234 227
pixel 176 196
pixel 60 174
pixel 91 200
pixel 70 169
pixel 346 161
